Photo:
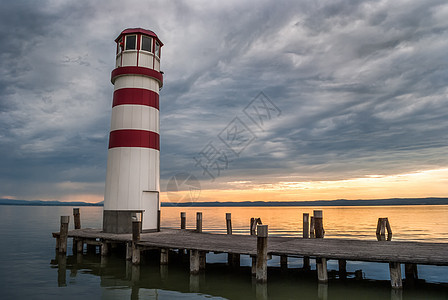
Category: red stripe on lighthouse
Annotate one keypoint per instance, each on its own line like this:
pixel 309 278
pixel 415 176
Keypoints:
pixel 134 138
pixel 136 96
pixel 133 70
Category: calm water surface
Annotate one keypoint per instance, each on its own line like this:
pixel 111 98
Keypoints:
pixel 30 269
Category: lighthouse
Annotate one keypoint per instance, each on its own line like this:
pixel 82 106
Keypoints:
pixel 132 180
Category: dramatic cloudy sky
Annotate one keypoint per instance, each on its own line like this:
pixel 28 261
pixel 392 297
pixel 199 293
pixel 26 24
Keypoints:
pixel 262 100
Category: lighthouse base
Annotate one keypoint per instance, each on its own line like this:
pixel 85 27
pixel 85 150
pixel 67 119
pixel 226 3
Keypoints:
pixel 120 221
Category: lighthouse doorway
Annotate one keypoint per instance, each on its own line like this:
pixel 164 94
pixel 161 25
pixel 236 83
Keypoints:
pixel 150 206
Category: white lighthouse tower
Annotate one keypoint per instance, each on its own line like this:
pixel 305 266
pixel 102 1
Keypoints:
pixel 132 180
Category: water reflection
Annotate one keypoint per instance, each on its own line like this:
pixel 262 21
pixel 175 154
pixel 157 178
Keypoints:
pixel 120 279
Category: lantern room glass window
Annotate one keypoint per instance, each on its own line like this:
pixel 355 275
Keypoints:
pixel 146 43
pixel 119 45
pixel 131 42
pixel 157 50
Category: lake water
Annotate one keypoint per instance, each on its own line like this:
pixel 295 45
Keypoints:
pixel 30 269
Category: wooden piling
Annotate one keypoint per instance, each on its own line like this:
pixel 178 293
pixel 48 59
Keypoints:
pixel 229 223
pixel 342 268
pixel 411 273
pixel 202 260
pixel 136 227
pixel 262 251
pixel 395 275
pixel 164 256
pixel 77 218
pixel 322 272
pixel 63 233
pixel 194 262
pixel 104 249
pixel 199 222
pixel 183 220
pixel 306 225
pixel 318 224
pixel 284 262
pixel 383 225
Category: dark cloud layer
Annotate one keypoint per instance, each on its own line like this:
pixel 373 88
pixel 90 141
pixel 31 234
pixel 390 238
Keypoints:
pixel 361 85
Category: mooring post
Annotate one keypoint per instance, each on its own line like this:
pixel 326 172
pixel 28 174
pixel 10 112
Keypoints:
pixel 312 227
pixel 306 225
pixel 318 224
pixel 262 253
pixel 322 273
pixel 183 220
pixel 382 226
pixel 199 222
pixel 395 275
pixel 229 223
pixel 136 227
pixel 194 262
pixel 77 218
pixel 63 232
pixel 164 256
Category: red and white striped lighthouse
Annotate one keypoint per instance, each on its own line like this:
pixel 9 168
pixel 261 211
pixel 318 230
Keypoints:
pixel 132 180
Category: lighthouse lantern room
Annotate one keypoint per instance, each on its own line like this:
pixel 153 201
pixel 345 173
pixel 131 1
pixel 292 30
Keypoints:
pixel 132 180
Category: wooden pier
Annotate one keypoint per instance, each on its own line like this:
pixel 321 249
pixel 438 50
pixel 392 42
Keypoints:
pixel 261 247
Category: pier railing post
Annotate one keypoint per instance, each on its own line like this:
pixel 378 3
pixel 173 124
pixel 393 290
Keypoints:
pixel 306 225
pixel 262 253
pixel 63 233
pixel 136 227
pixel 183 220
pixel 199 222
pixel 318 224
pixel 229 223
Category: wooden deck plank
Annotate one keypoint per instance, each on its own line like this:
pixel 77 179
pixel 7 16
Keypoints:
pixel 355 250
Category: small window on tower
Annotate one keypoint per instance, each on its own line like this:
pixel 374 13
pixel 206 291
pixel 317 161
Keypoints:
pixel 146 43
pixel 131 42
pixel 157 52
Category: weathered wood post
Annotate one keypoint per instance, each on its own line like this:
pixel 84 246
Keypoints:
pixel 395 275
pixel 312 227
pixel 322 272
pixel 411 273
pixel 77 218
pixel 318 224
pixel 194 262
pixel 164 256
pixel 252 226
pixel 233 259
pixel 342 268
pixel 136 227
pixel 199 222
pixel 382 226
pixel 262 253
pixel 306 225
pixel 183 220
pixel 229 223
pixel 202 260
pixel 63 233
pixel 284 262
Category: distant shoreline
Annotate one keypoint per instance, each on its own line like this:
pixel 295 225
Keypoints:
pixel 339 202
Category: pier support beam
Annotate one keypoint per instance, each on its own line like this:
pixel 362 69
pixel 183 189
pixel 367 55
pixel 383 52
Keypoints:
pixel 262 253
pixel 164 256
pixel 411 273
pixel 104 249
pixel 321 267
pixel 342 268
pixel 395 275
pixel 284 262
pixel 194 262
pixel 136 226
pixel 63 232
